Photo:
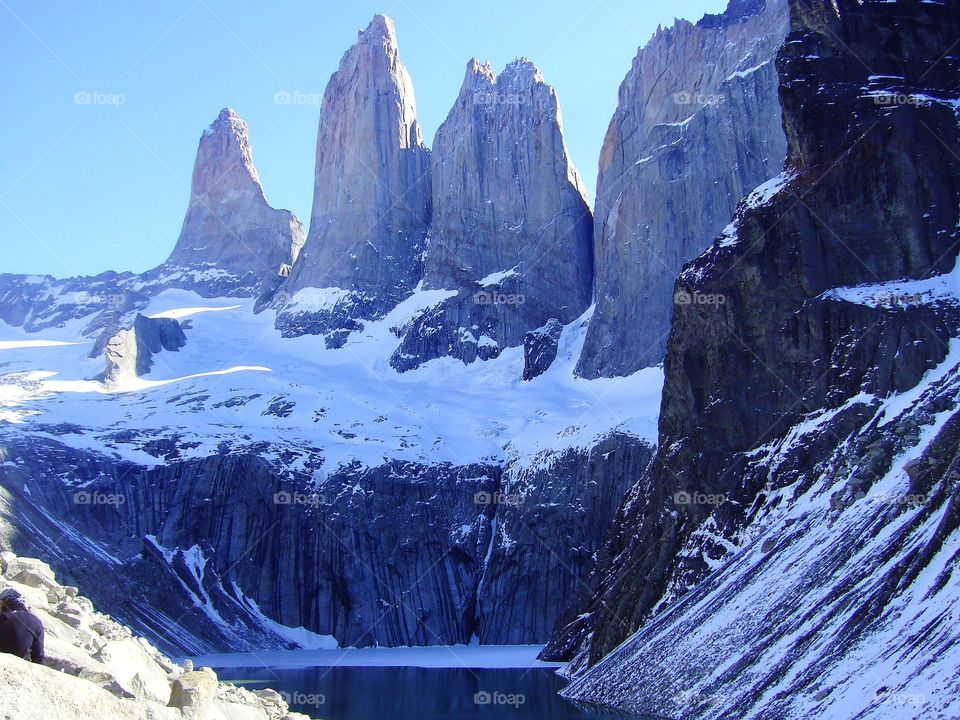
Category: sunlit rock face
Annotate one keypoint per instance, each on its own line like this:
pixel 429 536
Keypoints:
pixel 697 126
pixel 511 226
pixel 371 201
pixel 229 226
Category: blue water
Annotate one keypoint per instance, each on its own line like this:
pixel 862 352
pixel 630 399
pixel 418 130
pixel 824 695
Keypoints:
pixel 409 693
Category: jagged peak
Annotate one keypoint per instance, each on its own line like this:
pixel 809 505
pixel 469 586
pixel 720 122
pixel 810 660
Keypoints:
pixel 737 11
pixel 380 28
pixel 477 70
pixel 229 121
pixel 524 70
pixel 230 124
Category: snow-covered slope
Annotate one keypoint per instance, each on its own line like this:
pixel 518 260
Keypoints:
pixel 238 382
pixel 275 437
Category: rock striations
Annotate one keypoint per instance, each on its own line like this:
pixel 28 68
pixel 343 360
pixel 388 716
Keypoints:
pixel 511 228
pixel 697 125
pixel 229 225
pixel 789 548
pixel 371 202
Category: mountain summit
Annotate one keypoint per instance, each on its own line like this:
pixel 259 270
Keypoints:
pixel 371 201
pixel 228 223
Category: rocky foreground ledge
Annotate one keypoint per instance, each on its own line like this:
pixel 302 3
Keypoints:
pixel 97 668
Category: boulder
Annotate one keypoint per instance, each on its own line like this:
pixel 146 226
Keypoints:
pixel 135 669
pixel 129 353
pixel 34 692
pixel 193 693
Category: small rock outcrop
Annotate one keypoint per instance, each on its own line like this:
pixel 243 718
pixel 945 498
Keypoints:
pixel 371 202
pixel 129 353
pixel 511 225
pixel 697 126
pixel 540 349
pixel 97 668
pixel 229 225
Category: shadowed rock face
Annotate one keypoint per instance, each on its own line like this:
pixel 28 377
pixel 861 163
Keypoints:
pixel 511 225
pixel 540 349
pixel 229 224
pixel 482 551
pixel 777 392
pixel 697 126
pixel 371 202
pixel 129 353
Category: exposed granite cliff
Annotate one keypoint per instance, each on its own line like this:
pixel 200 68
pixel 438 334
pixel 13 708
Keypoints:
pixel 697 126
pixel 229 225
pixel 807 454
pixel 484 551
pixel 371 201
pixel 511 226
pixel 129 353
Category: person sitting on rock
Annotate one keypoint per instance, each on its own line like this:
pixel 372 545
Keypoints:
pixel 21 632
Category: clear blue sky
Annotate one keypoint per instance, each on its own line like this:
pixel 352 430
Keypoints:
pixel 97 186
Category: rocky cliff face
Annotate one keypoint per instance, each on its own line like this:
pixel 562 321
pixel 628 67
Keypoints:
pixel 229 225
pixel 697 126
pixel 807 458
pixel 371 202
pixel 511 226
pixel 485 551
